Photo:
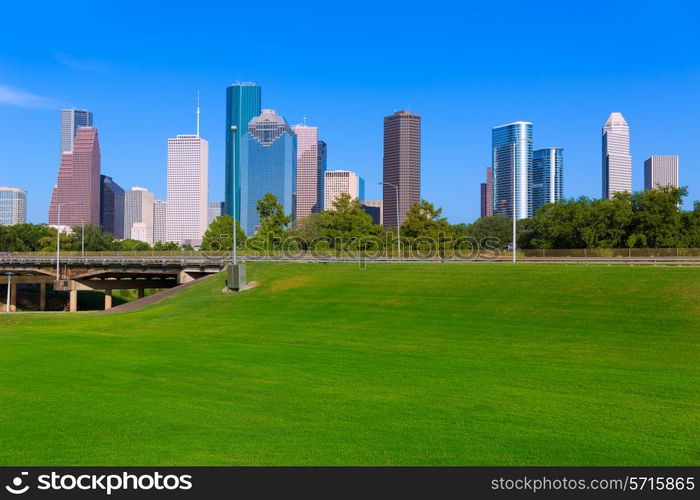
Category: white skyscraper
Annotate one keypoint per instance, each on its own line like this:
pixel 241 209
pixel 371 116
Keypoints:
pixel 13 206
pixel 71 119
pixel 661 170
pixel 617 162
pixel 307 170
pixel 159 221
pixel 342 181
pixel 188 167
pixel 138 210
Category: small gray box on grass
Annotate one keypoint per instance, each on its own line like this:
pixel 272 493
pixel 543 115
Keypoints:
pixel 236 277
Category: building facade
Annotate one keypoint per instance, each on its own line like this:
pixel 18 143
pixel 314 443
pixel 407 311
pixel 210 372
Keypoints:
pixel 242 105
pixel 306 196
pixel 487 195
pixel 342 181
pixel 617 162
pixel 78 186
pixel 402 160
pixel 71 120
pixel 547 176
pixel 268 165
pixel 660 171
pixel 374 209
pixel 512 169
pixel 321 174
pixel 160 221
pixel 138 209
pixel 188 185
pixel 214 210
pixel 111 207
pixel 13 206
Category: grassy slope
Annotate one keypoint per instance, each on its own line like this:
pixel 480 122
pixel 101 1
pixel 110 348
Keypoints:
pixel 396 364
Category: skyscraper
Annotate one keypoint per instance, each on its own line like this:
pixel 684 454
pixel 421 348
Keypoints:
pixel 512 169
pixel 661 170
pixel 339 182
pixel 547 177
pixel 13 206
pixel 111 207
pixel 401 165
pixel 78 182
pixel 322 166
pixel 242 105
pixel 71 120
pixel 374 209
pixel 268 165
pixel 160 221
pixel 306 197
pixel 487 195
pixel 138 213
pixel 214 209
pixel 188 167
pixel 617 162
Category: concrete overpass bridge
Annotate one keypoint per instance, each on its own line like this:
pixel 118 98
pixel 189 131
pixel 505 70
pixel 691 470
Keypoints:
pixel 104 273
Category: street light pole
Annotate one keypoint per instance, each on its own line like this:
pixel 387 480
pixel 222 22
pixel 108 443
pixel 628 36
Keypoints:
pixel 234 256
pixel 398 224
pixel 9 285
pixel 82 241
pixel 514 197
pixel 236 271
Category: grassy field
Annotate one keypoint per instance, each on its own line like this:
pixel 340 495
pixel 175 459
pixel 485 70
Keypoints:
pixel 396 364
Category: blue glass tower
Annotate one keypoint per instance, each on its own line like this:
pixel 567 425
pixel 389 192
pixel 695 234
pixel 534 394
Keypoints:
pixel 512 169
pixel 547 176
pixel 268 165
pixel 242 105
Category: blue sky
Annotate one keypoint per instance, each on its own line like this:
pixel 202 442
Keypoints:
pixel 465 68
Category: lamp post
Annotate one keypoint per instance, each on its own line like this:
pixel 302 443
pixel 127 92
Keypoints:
pixel 82 240
pixel 236 271
pixel 398 224
pixel 514 198
pixel 58 234
pixel 9 285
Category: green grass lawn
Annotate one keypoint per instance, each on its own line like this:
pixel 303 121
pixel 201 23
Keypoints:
pixel 397 364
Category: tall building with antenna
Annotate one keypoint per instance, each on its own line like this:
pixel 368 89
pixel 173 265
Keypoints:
pixel 188 180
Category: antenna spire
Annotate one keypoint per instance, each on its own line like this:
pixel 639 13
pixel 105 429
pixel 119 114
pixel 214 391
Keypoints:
pixel 197 113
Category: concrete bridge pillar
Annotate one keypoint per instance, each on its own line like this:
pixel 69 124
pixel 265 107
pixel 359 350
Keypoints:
pixel 108 299
pixel 13 297
pixel 141 293
pixel 42 296
pixel 73 303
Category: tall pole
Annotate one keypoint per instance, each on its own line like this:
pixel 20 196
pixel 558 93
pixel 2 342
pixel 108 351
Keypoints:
pixel 234 128
pixel 9 285
pixel 82 240
pixel 398 223
pixel 514 197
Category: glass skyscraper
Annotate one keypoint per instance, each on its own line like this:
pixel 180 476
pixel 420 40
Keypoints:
pixel 111 207
pixel 322 167
pixel 512 169
pixel 71 120
pixel 268 165
pixel 617 162
pixel 242 105
pixel 547 176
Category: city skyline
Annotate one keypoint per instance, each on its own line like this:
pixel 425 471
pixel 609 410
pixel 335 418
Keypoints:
pixel 142 97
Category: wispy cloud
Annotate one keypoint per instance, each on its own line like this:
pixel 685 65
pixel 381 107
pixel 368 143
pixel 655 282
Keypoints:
pixel 81 64
pixel 16 97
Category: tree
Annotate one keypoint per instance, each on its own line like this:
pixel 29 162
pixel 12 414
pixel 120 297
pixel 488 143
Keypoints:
pixel 273 222
pixel 166 246
pixel 95 239
pixel 133 246
pixel 495 231
pixel 219 235
pixel 348 224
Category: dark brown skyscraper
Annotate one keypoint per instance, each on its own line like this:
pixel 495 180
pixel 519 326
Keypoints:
pixel 401 165
pixel 78 182
pixel 487 195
